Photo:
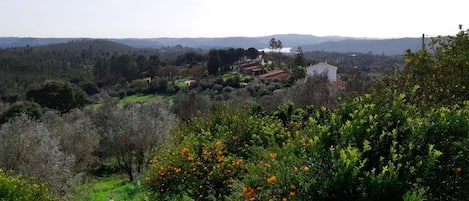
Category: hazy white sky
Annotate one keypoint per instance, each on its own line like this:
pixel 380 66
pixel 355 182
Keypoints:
pixel 220 18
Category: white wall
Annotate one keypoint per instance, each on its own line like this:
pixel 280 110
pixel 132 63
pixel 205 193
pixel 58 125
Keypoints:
pixel 322 68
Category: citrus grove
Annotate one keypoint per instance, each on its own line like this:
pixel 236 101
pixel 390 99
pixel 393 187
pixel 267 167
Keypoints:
pixel 406 141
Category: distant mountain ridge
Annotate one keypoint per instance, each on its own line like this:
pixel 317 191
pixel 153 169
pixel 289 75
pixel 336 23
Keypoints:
pixel 375 46
pixel 291 40
pixel 9 42
pixel 307 42
pixel 90 45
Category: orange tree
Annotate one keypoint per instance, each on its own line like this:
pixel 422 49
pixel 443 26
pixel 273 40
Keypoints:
pixel 373 147
pixel 208 154
pixel 439 74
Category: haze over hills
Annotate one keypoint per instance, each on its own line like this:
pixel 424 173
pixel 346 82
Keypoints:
pixel 307 42
pixel 91 45
pixel 375 46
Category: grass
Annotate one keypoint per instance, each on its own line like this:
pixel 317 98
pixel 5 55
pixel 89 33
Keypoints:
pixel 181 83
pixel 136 98
pixel 115 186
pixel 243 78
pixel 139 98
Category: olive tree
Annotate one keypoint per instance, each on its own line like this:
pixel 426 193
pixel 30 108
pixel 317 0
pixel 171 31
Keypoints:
pixel 313 90
pixel 130 132
pixel 27 147
pixel 77 136
pixel 191 104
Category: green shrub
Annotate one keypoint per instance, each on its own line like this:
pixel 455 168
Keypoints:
pixel 60 95
pixel 374 147
pixel 17 188
pixel 207 154
pixel 31 109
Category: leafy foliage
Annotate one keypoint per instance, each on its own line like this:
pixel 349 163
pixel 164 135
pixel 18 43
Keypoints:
pixel 129 133
pixel 59 95
pixel 207 153
pixel 252 53
pixel 438 75
pixel 17 188
pixel 213 64
pixel 31 109
pixel 374 147
pixel 299 57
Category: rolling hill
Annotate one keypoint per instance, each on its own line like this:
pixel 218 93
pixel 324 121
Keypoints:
pixel 90 45
pixel 307 42
pixel 383 46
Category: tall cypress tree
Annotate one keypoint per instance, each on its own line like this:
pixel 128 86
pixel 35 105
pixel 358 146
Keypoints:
pixel 213 63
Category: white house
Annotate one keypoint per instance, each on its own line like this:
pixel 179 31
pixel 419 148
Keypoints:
pixel 323 67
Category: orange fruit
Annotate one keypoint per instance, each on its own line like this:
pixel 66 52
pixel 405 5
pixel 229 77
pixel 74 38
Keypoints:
pixel 273 155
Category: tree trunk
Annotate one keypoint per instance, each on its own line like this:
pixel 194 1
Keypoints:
pixel 129 172
pixel 140 161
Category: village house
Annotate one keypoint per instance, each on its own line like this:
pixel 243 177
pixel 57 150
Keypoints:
pixel 323 67
pixel 329 70
pixel 252 68
pixel 147 79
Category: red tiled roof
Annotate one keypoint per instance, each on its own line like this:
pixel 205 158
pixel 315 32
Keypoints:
pixel 271 73
pixel 257 69
pixel 278 74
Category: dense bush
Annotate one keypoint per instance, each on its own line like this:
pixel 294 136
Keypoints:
pixel 90 88
pixel 374 147
pixel 439 73
pixel 59 95
pixel 207 154
pixel 31 109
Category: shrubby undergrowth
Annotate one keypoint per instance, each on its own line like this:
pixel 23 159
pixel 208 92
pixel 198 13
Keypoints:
pixel 17 188
pixel 374 147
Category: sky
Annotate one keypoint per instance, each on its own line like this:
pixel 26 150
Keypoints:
pixel 226 18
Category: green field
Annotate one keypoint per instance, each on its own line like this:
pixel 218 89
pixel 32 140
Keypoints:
pixel 137 98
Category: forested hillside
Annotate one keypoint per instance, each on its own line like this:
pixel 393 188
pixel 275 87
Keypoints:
pixel 395 46
pixel 103 64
